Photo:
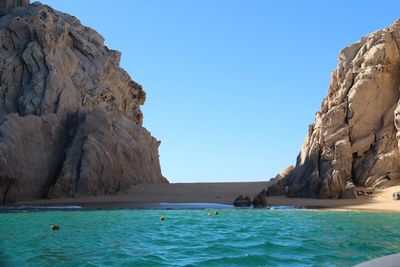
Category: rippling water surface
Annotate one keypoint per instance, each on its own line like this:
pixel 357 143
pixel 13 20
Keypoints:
pixel 192 238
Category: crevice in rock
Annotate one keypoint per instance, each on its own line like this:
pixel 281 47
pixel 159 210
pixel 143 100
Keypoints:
pixel 79 166
pixel 70 127
pixel 8 186
pixel 119 181
pixel 353 168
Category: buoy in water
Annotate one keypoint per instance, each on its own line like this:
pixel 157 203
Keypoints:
pixel 162 218
pixel 55 227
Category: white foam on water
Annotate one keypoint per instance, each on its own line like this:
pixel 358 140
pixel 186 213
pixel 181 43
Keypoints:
pixel 194 206
pixel 33 207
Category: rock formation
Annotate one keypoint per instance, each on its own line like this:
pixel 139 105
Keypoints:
pixel 6 6
pixel 277 185
pixel 355 138
pixel 260 200
pixel 242 201
pixel 70 118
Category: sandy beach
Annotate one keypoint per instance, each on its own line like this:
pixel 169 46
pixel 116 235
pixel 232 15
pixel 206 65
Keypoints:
pixel 150 195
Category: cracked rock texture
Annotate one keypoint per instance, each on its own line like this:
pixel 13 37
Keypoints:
pixel 355 138
pixel 70 118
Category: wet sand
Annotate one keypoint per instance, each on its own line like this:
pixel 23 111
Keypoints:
pixel 151 195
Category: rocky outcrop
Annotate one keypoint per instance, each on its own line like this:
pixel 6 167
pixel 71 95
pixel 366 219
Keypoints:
pixel 260 200
pixel 355 138
pixel 242 201
pixel 277 185
pixel 70 118
pixel 6 6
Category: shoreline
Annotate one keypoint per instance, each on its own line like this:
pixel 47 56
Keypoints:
pixel 76 206
pixel 159 196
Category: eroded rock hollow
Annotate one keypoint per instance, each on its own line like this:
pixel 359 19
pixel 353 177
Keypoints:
pixel 70 118
pixel 355 138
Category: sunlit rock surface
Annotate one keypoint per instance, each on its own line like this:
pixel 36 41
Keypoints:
pixel 70 118
pixel 354 140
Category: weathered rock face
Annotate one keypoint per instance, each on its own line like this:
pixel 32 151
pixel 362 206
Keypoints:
pixel 353 139
pixel 6 6
pixel 277 185
pixel 70 119
pixel 260 200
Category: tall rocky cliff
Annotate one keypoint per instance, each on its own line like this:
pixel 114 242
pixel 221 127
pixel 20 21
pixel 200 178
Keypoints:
pixel 70 118
pixel 355 138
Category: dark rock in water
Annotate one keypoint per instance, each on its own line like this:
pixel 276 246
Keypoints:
pixel 260 200
pixel 242 201
pixel 70 118
pixel 55 227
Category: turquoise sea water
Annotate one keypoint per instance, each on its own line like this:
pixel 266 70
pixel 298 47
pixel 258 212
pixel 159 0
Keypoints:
pixel 192 238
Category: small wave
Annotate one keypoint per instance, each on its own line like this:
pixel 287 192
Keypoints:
pixel 193 206
pixel 51 207
pixel 283 207
pixel 34 207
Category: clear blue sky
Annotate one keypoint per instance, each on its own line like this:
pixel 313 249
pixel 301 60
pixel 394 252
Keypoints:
pixel 232 85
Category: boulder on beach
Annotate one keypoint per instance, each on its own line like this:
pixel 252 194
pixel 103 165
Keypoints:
pixel 349 193
pixel 242 201
pixel 260 200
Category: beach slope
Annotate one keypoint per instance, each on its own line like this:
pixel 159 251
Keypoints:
pixel 149 195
